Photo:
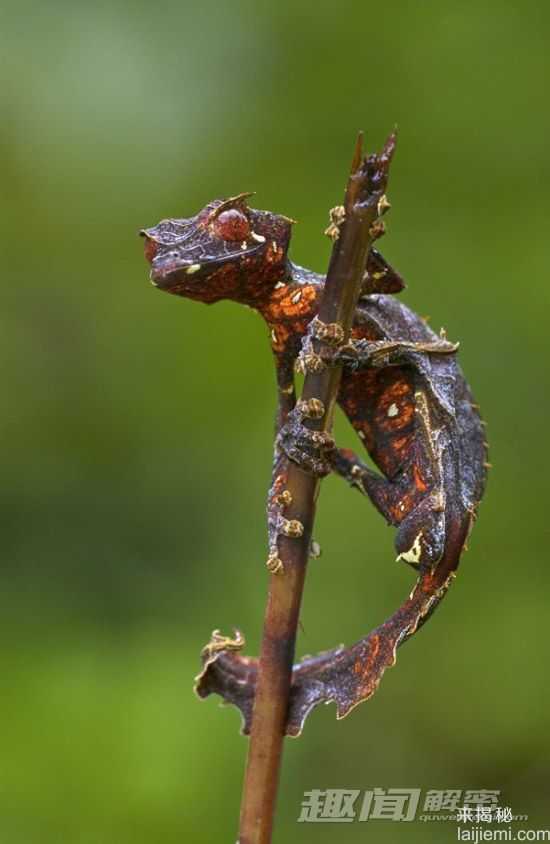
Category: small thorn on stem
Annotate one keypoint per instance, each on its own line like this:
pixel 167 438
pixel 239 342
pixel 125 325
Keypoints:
pixel 389 147
pixel 383 205
pixel 314 550
pixel 357 153
pixel 284 498
pixel 274 564
pixel 311 409
pixel 292 528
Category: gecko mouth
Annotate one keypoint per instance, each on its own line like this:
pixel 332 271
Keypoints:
pixel 171 268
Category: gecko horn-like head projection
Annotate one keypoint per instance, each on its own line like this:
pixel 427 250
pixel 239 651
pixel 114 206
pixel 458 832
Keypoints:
pixel 227 251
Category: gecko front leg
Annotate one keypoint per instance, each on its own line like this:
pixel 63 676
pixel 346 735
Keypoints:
pixel 308 449
pixel 279 498
pixel 286 392
pixel 311 449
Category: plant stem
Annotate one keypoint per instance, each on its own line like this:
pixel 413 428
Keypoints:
pixel 365 187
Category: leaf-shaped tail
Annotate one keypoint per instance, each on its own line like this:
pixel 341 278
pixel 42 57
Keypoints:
pixel 344 676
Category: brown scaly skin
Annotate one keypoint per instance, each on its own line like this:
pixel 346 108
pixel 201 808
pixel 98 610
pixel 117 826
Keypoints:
pixel 404 394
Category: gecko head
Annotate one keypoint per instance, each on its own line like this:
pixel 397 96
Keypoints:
pixel 227 251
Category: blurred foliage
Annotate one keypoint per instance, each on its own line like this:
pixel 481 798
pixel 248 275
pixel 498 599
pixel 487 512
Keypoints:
pixel 137 427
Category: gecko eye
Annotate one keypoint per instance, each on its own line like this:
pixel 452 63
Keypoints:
pixel 150 248
pixel 232 225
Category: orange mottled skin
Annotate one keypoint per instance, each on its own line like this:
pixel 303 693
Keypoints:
pixel 404 395
pixel 412 411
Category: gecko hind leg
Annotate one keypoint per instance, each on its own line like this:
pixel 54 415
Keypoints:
pixel 359 354
pixel 378 489
pixel 420 537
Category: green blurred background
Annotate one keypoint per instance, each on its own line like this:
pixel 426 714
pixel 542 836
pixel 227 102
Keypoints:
pixel 137 426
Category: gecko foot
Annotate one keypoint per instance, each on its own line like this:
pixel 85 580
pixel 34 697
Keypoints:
pixel 308 449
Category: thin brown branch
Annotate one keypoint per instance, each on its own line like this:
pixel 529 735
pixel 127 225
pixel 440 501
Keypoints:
pixel 363 204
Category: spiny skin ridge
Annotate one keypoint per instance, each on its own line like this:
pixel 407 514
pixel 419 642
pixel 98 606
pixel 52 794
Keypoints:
pixel 405 396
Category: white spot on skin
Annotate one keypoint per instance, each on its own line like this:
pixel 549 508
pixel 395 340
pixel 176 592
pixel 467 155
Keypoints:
pixel 243 244
pixel 259 237
pixel 194 268
pixel 393 410
pixel 296 298
pixel 414 552
pixel 273 335
pixel 274 245
pixel 279 285
pixel 362 434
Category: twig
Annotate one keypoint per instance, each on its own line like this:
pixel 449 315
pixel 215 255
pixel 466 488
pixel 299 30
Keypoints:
pixel 363 204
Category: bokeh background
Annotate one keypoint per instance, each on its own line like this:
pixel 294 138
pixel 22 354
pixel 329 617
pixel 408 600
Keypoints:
pixel 137 426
